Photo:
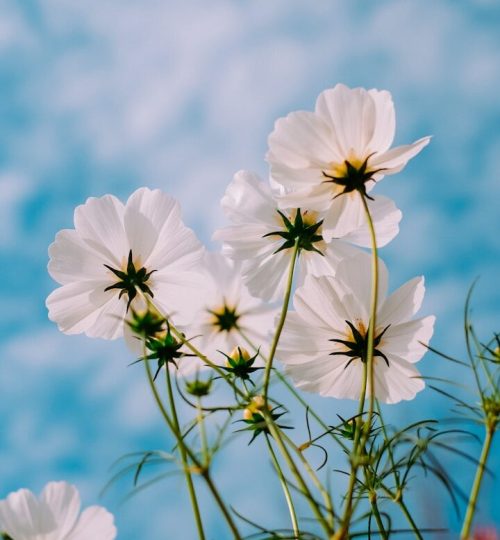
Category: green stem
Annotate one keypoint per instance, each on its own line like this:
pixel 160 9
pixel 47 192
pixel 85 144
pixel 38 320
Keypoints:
pixel 409 518
pixel 471 507
pixel 373 316
pixel 286 491
pixel 368 378
pixel 319 486
pixel 378 518
pixel 200 418
pixel 221 504
pixel 185 465
pixel 277 437
pixel 281 322
pixel 198 465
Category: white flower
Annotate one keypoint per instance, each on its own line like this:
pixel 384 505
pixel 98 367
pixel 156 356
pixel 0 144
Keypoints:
pixel 230 313
pixel 323 345
pixel 55 515
pixel 323 158
pixel 113 250
pixel 257 238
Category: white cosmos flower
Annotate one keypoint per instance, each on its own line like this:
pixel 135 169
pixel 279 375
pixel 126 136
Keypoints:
pixel 55 515
pixel 116 248
pixel 229 312
pixel 253 237
pixel 322 341
pixel 323 158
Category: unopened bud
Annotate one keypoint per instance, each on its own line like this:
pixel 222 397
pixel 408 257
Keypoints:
pixel 239 355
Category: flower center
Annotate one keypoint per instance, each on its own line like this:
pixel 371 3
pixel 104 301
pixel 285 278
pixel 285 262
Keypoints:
pixel 224 318
pixel 130 280
pixel 303 229
pixel 352 176
pixel 357 345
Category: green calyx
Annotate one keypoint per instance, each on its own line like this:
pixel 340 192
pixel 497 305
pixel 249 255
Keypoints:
pixel 199 388
pixel 354 178
pixel 225 319
pixel 300 231
pixel 240 364
pixel 131 280
pixel 358 348
pixel 165 349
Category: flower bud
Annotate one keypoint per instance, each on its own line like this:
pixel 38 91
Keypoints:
pixel 239 355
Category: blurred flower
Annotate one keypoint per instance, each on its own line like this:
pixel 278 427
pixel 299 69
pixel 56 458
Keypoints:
pixel 115 250
pixel 324 343
pixel 323 158
pixel 229 312
pixel 55 515
pixel 485 533
pixel 262 237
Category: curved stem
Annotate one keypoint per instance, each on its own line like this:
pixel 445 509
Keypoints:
pixel 373 313
pixel 281 322
pixel 471 507
pixel 319 486
pixel 368 383
pixel 185 465
pixel 277 437
pixel 192 457
pixel 286 491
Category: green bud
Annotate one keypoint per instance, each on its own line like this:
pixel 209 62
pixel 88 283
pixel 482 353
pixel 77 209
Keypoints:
pixel 199 388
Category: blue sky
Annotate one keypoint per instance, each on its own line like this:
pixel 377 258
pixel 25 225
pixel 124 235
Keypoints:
pixel 104 97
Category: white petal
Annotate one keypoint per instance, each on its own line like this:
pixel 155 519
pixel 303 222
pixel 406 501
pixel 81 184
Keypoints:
pixel 322 302
pixel 76 306
pixel 248 200
pixel 64 501
pixel 352 115
pixel 356 275
pixel 396 382
pixel 408 340
pixel 24 517
pixel 403 303
pixel 267 281
pixel 72 259
pixel 95 523
pixel 396 158
pixel 385 216
pixel 325 265
pixel 99 222
pixel 178 294
pixel 147 213
pixel 385 121
pixel 301 140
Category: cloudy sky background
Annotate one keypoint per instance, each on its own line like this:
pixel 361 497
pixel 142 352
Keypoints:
pixel 104 97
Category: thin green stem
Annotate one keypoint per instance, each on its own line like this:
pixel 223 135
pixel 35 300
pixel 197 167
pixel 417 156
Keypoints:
pixel 281 322
pixel 471 507
pixel 185 465
pixel 200 419
pixel 378 518
pixel 373 314
pixel 192 456
pixel 319 486
pixel 286 491
pixel 277 437
pixel 368 383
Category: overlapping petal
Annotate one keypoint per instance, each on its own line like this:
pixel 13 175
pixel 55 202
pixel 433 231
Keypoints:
pixel 253 237
pixel 149 229
pixel 313 345
pixel 310 151
pixel 53 516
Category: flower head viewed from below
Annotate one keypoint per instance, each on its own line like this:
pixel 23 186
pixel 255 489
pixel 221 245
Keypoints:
pixel 55 515
pixel 262 237
pixel 324 343
pixel 324 158
pixel 118 252
pixel 230 317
